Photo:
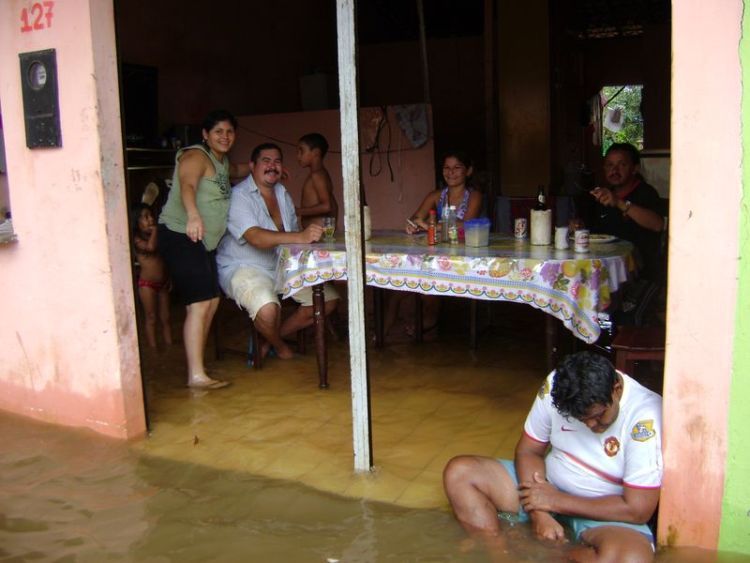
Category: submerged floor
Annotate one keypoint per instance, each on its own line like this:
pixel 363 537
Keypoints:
pixel 262 470
pixel 429 402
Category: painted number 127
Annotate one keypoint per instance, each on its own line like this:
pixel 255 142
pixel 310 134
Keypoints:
pixel 34 18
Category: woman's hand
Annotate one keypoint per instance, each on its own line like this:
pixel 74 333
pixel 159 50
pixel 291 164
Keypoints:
pixel 414 226
pixel 195 229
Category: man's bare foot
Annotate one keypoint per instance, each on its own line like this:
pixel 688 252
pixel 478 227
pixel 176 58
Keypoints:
pixel 265 348
pixel 285 352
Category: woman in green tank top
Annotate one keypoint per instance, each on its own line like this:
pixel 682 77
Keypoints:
pixel 191 224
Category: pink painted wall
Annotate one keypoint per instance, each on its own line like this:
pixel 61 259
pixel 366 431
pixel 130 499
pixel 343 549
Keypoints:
pixel 68 334
pixel 703 255
pixel 391 202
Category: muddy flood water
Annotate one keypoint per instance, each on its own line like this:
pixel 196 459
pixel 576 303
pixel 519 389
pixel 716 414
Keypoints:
pixel 69 495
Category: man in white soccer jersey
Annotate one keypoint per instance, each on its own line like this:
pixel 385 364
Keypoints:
pixel 589 460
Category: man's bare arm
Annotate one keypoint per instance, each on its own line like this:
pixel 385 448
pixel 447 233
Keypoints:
pixel 634 506
pixel 264 238
pixel 529 461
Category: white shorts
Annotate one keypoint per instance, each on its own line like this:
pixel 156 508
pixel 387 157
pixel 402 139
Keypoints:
pixel 252 288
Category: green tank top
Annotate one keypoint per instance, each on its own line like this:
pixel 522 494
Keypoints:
pixel 211 198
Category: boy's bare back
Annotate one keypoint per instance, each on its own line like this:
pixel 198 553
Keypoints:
pixel 317 192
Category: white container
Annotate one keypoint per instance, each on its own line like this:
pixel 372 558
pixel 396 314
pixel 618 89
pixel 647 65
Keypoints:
pixel 367 222
pixel 541 227
pixel 561 238
pixel 477 232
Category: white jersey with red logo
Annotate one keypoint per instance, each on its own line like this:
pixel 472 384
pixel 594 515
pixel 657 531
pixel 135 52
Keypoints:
pixel 583 463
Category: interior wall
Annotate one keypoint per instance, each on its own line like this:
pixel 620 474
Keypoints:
pixel 390 201
pixel 581 68
pixel 236 70
pixel 455 68
pixel 524 100
pixel 68 336
pixel 247 57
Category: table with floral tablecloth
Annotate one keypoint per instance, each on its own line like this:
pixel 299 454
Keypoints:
pixel 570 286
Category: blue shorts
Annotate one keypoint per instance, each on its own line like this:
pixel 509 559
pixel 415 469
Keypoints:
pixel 576 524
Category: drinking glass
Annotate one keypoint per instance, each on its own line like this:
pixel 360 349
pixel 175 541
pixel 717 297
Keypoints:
pixel 329 228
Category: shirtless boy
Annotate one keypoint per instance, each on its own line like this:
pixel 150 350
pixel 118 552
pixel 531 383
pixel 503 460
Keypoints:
pixel 317 191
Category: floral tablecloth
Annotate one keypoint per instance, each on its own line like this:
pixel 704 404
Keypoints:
pixel 572 287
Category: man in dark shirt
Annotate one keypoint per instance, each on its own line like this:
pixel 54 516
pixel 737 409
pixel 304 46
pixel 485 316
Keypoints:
pixel 629 208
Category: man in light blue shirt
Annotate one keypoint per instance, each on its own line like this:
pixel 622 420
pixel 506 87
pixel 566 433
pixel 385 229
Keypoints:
pixel 262 216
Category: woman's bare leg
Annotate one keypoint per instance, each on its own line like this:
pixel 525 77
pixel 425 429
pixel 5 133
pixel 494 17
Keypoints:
pixel 195 332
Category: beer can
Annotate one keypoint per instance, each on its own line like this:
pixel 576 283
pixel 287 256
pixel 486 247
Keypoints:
pixel 521 227
pixel 582 240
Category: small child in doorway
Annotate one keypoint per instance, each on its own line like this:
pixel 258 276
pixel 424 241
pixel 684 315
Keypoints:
pixel 153 284
pixel 317 199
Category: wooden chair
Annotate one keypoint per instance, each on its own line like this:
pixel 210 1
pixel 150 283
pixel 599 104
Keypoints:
pixel 638 343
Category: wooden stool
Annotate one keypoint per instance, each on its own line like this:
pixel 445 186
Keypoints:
pixel 635 343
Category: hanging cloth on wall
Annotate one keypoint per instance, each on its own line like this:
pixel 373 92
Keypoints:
pixel 412 119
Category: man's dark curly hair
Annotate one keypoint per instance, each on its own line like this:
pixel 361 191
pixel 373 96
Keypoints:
pixel 582 380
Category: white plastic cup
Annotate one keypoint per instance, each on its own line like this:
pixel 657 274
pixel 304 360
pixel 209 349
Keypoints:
pixel 582 240
pixel 561 238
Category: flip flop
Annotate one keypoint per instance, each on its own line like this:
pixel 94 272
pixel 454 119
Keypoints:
pixel 210 384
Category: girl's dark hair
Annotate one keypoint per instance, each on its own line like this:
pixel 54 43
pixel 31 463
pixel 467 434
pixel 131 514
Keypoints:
pixel 135 215
pixel 583 380
pixel 462 156
pixel 217 116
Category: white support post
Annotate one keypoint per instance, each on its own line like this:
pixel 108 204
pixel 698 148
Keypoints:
pixel 353 229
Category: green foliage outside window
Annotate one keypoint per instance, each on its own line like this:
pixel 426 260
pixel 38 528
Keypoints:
pixel 628 99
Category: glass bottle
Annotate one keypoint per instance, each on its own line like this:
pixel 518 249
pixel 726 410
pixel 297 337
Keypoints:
pixel 541 199
pixel 432 228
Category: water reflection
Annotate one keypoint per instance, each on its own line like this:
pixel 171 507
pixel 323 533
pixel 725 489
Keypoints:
pixel 75 496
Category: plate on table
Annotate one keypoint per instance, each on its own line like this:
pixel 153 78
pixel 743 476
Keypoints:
pixel 597 238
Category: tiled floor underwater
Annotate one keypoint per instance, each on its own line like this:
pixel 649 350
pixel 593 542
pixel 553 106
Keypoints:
pixel 429 402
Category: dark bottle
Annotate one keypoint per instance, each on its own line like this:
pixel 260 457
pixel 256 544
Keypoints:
pixel 541 199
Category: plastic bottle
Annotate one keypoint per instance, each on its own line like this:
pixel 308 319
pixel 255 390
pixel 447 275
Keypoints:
pixel 452 225
pixel 444 223
pixel 432 228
